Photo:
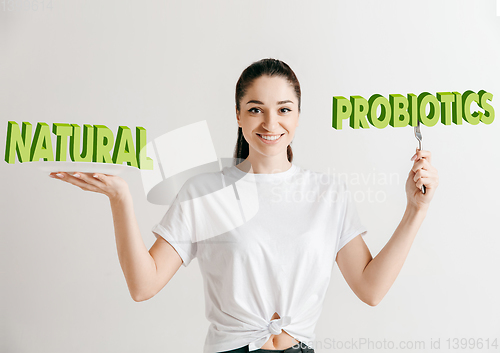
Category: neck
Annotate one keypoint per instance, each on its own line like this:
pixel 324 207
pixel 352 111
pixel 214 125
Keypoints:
pixel 268 165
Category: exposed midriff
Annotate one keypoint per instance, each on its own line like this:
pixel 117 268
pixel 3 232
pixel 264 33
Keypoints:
pixel 281 341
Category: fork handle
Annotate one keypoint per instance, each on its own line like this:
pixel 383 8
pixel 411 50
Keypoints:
pixel 420 149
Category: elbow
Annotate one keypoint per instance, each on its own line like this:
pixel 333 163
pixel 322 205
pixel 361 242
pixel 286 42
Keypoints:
pixel 372 300
pixel 141 294
pixel 137 299
pixel 371 295
pixel 140 297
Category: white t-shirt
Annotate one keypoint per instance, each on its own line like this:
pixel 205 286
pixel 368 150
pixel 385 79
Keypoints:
pixel 265 243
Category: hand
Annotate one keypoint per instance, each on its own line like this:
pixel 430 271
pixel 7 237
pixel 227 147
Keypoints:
pixel 422 173
pixel 110 185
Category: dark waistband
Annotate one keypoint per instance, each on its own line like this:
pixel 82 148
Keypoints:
pixel 297 348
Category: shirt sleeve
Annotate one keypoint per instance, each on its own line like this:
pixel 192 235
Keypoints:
pixel 175 228
pixel 351 223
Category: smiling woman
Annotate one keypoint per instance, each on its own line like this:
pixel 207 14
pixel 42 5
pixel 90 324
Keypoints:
pixel 268 101
pixel 267 122
pixel 266 258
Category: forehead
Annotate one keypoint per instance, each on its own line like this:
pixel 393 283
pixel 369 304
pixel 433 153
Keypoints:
pixel 269 89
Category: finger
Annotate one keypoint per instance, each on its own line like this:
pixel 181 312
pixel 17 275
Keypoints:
pixel 89 179
pixel 420 182
pixel 422 164
pixel 430 182
pixel 59 175
pixel 422 154
pixel 76 181
pixel 411 174
pixel 101 177
pixel 421 173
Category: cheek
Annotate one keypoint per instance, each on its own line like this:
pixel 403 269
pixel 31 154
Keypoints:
pixel 291 126
pixel 248 124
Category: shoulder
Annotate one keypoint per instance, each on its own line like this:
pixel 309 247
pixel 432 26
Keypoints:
pixel 201 184
pixel 203 178
pixel 327 180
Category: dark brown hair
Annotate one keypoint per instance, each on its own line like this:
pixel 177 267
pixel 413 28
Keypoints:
pixel 269 67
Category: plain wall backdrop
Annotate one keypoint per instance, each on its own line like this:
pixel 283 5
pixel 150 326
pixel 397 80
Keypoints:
pixel 165 64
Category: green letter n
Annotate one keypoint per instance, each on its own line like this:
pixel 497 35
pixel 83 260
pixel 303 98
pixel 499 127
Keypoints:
pixel 17 141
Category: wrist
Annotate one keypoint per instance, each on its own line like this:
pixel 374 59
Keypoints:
pixel 119 197
pixel 416 209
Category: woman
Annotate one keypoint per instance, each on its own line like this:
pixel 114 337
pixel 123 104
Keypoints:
pixel 266 278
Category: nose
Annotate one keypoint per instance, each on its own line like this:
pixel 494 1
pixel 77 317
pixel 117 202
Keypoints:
pixel 271 121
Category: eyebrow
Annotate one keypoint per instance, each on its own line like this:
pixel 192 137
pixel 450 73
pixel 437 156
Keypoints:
pixel 259 102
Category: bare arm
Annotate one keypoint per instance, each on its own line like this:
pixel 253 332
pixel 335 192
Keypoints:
pixel 146 272
pixel 371 278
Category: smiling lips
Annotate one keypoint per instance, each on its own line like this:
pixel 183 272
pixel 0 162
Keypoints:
pixel 268 138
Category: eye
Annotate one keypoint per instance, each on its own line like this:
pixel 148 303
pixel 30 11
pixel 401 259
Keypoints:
pixel 285 110
pixel 254 110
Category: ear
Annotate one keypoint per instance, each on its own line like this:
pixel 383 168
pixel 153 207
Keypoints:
pixel 237 115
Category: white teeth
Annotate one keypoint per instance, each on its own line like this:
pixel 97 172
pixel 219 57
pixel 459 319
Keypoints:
pixel 270 138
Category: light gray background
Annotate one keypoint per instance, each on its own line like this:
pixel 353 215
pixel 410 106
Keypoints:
pixel 165 64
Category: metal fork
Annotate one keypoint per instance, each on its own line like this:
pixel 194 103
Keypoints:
pixel 418 135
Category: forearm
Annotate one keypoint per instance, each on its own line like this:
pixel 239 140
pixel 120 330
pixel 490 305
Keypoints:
pixel 136 262
pixel 383 269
